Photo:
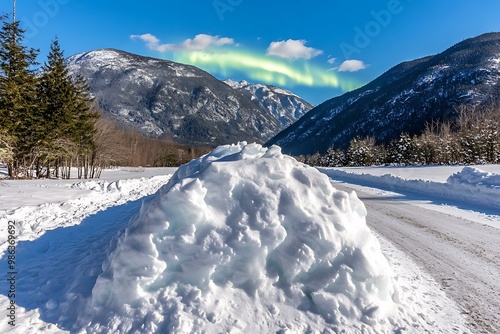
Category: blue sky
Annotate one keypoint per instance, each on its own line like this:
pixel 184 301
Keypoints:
pixel 316 48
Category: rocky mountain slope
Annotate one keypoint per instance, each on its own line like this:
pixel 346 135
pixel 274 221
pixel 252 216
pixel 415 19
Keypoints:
pixel 403 99
pixel 284 105
pixel 166 99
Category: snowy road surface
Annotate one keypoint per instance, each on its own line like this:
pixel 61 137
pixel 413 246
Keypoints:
pixel 463 256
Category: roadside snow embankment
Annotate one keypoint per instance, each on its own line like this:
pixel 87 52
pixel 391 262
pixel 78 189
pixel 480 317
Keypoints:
pixel 470 185
pixel 245 240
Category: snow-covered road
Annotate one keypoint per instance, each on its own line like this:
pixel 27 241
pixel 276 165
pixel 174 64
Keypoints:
pixel 462 255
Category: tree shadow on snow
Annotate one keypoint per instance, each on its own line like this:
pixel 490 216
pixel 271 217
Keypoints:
pixel 56 272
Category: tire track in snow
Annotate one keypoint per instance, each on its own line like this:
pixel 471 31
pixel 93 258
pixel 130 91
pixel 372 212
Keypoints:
pixel 461 255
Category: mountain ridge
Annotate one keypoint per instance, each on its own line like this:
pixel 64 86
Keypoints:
pixel 466 73
pixel 283 104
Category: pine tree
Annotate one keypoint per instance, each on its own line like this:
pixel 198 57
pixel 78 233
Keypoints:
pixel 19 115
pixel 55 93
pixel 84 130
pixel 66 106
pixel 401 151
pixel 363 152
pixel 334 158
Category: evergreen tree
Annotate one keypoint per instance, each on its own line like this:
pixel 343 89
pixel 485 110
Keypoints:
pixel 401 151
pixel 84 130
pixel 54 92
pixel 334 158
pixel 19 114
pixel 363 152
pixel 66 109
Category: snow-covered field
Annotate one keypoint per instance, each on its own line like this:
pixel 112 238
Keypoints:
pixel 244 240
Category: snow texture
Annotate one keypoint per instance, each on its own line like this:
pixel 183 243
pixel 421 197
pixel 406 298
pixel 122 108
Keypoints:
pixel 475 177
pixel 48 216
pixel 470 185
pixel 59 244
pixel 244 239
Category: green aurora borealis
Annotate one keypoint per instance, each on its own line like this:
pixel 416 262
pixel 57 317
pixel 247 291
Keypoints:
pixel 264 69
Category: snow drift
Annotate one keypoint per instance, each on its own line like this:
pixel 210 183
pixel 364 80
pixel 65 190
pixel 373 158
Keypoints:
pixel 470 185
pixel 475 177
pixel 245 239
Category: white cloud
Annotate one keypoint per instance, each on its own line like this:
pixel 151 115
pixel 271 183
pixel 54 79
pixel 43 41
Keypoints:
pixel 352 65
pixel 331 60
pixel 199 43
pixel 151 41
pixel 292 49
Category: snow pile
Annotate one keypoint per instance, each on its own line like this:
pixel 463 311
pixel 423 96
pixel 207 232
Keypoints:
pixel 471 185
pixel 130 186
pixel 475 177
pixel 245 240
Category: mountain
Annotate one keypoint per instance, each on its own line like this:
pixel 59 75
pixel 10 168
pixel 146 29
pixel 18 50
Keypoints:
pixel 403 99
pixel 166 99
pixel 284 105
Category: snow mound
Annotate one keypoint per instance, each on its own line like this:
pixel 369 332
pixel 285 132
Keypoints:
pixel 475 176
pixel 246 240
pixel 104 186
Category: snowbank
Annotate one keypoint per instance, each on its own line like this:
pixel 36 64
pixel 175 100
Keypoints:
pixel 245 240
pixel 430 173
pixel 475 177
pixel 470 185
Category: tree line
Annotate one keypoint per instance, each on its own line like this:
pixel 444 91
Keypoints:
pixel 50 125
pixel 116 145
pixel 47 124
pixel 472 138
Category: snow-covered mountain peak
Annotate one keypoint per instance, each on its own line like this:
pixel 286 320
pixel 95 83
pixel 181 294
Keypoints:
pixel 120 60
pixel 236 84
pixel 284 105
pixel 163 98
pixel 98 58
pixel 96 55
pixel 255 87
